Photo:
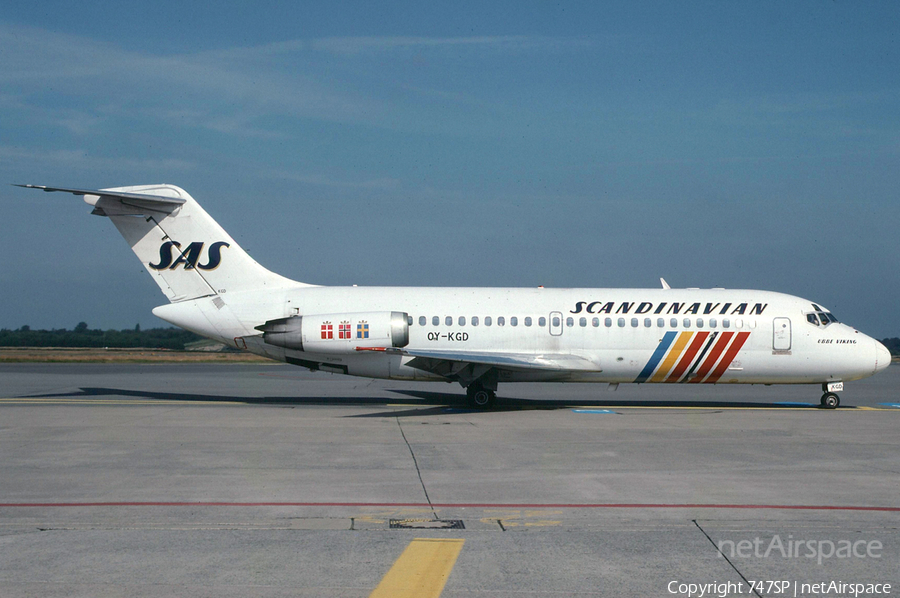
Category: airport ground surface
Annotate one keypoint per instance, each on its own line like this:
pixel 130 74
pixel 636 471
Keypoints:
pixel 258 480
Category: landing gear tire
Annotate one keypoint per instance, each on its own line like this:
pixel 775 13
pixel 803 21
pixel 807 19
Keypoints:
pixel 480 397
pixel 830 400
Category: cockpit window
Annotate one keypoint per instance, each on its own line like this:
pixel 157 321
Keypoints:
pixel 820 315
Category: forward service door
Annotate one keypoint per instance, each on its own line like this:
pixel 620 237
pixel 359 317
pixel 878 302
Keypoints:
pixel 781 339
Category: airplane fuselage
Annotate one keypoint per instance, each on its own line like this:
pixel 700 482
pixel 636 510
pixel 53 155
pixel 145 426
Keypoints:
pixel 628 335
pixel 478 337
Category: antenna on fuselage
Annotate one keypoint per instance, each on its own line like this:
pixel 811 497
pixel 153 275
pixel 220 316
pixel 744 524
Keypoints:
pixel 665 285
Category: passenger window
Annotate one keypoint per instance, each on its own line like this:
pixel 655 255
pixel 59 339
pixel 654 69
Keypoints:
pixel 621 322
pixel 673 322
pixel 528 320
pixel 487 320
pixel 739 323
pixel 474 320
pixel 501 321
pixel 699 322
pixel 422 320
pixel 712 322
pixel 752 322
pixel 557 322
pixel 582 322
pixel 726 323
pixel 448 321
pixel 570 322
pixel 595 322
pixel 542 321
pixel 514 321
pixel 648 323
pixel 608 322
pixel 435 321
pixel 687 322
pixel 660 322
pixel 634 322
pixel 462 320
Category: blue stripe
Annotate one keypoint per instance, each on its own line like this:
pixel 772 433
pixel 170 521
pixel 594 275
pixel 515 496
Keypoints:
pixel 657 356
pixel 592 411
pixel 897 405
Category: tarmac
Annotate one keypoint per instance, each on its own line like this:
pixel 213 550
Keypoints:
pixel 257 480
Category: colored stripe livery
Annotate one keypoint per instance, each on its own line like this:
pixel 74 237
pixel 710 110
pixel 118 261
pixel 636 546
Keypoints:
pixel 692 357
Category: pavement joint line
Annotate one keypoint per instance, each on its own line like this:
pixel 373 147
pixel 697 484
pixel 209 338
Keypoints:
pixel 725 556
pixel 416 463
pixel 422 570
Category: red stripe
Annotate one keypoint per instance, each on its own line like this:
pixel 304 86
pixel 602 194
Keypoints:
pixel 729 357
pixel 688 357
pixel 454 505
pixel 713 356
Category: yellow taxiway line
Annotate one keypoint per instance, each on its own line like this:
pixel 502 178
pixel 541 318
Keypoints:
pixel 422 570
pixel 563 406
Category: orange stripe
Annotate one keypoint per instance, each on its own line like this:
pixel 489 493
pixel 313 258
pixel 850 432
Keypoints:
pixel 672 357
pixel 688 357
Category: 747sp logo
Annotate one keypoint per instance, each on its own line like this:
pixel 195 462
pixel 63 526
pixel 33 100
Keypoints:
pixel 190 257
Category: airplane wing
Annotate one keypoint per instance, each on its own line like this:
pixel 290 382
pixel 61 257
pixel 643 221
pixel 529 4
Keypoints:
pixel 466 367
pixel 518 361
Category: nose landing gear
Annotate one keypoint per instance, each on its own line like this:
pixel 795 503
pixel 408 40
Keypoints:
pixel 830 400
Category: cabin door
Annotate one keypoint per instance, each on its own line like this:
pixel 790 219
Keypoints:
pixel 781 340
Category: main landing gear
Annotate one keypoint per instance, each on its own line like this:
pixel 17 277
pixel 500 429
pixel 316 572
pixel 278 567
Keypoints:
pixel 830 400
pixel 479 396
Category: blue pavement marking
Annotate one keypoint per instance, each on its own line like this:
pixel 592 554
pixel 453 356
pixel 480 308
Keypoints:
pixel 897 405
pixel 593 411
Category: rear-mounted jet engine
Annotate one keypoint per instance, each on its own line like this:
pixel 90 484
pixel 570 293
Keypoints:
pixel 338 333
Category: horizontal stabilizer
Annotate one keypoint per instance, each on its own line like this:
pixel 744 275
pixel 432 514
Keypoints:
pixel 159 199
pixel 121 202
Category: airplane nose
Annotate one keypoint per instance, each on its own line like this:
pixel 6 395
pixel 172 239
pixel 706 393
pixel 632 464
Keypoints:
pixel 882 357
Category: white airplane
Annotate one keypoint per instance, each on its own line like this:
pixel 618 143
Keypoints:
pixel 478 337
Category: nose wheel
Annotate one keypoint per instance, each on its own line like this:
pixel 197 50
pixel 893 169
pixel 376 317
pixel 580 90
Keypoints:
pixel 830 400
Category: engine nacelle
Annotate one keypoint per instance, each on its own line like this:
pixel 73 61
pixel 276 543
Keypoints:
pixel 338 333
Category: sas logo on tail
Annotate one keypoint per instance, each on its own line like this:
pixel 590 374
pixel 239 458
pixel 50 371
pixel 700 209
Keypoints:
pixel 190 256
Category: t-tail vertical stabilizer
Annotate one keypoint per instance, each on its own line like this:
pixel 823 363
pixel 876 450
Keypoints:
pixel 188 254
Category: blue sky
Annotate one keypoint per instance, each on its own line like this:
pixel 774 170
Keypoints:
pixel 744 145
